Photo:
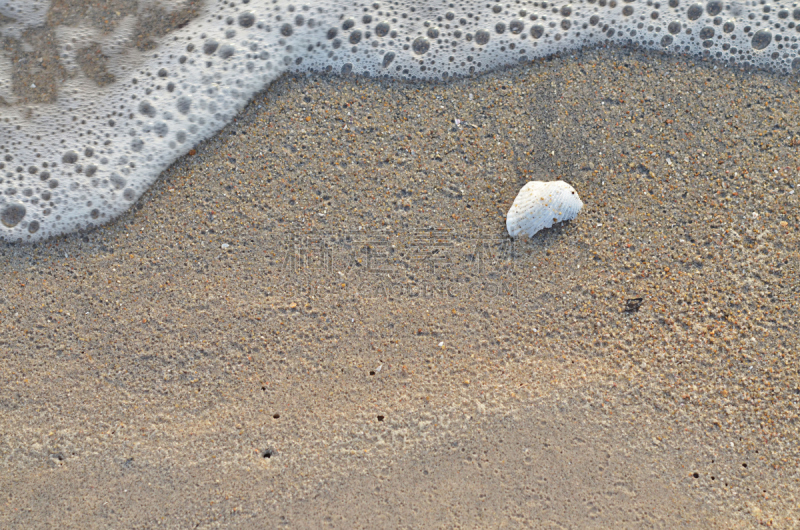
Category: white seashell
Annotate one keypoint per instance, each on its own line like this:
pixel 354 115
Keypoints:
pixel 540 204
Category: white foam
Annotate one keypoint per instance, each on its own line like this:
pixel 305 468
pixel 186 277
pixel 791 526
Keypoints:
pixel 83 158
pixel 21 15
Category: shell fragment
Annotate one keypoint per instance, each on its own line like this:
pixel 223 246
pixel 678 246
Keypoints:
pixel 541 204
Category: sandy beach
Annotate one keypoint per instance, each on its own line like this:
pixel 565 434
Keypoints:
pixel 316 318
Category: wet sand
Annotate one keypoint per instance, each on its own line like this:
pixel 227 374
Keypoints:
pixel 317 317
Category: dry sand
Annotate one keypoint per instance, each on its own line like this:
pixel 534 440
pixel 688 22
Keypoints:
pixel 273 336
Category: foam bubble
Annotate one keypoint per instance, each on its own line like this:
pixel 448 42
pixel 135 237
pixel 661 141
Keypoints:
pixel 96 99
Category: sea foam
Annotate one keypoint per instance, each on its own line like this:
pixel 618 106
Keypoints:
pixel 98 98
